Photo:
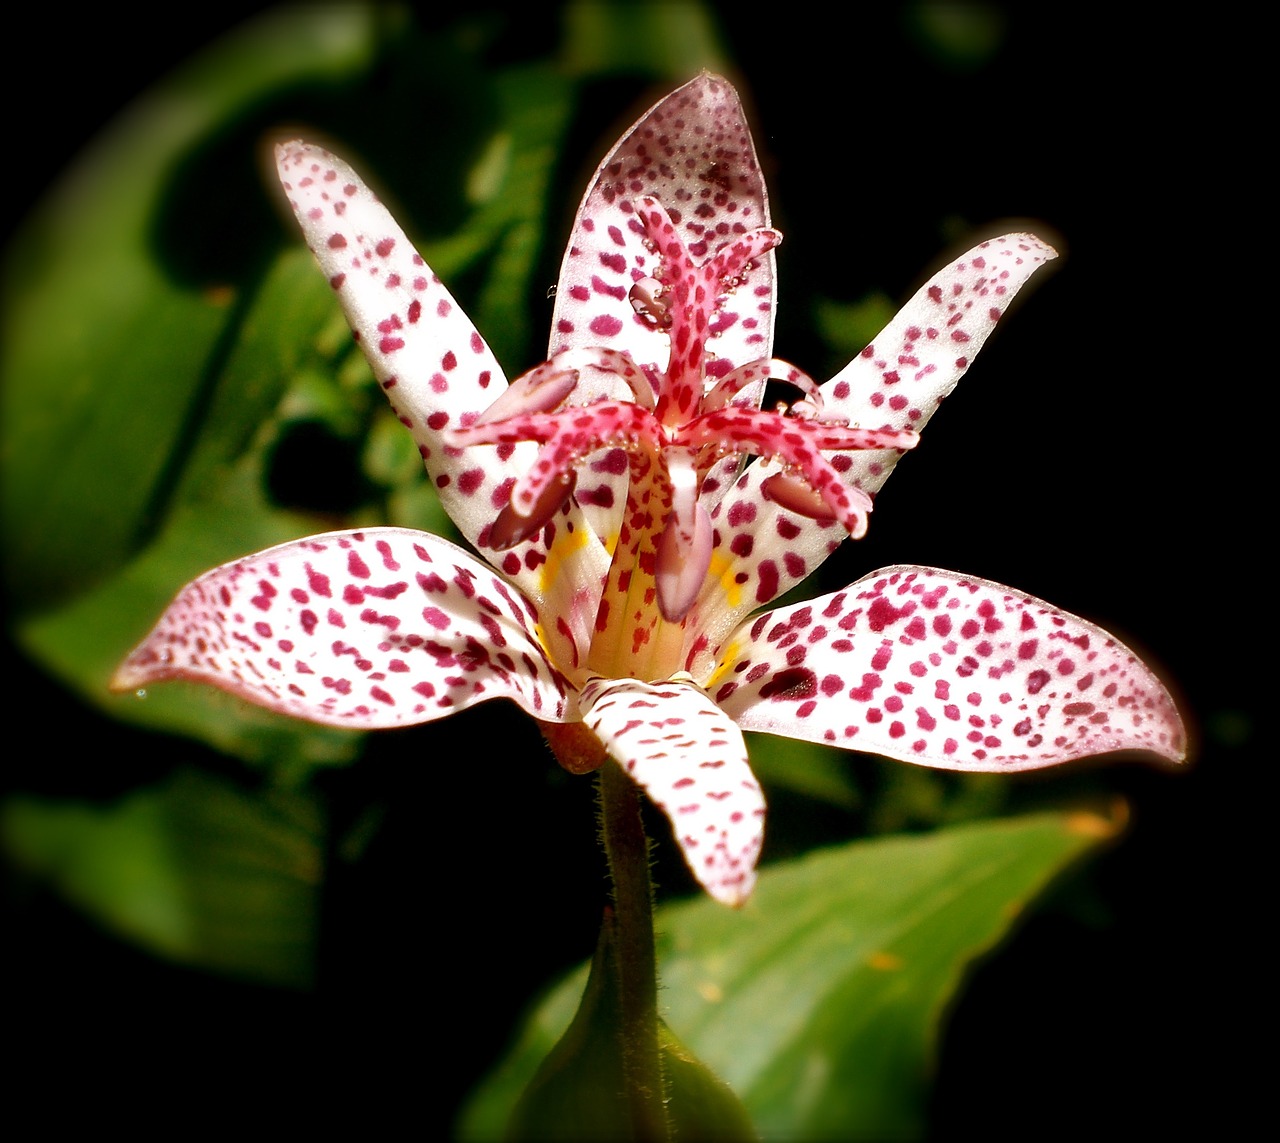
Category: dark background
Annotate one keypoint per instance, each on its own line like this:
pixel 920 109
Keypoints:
pixel 1080 462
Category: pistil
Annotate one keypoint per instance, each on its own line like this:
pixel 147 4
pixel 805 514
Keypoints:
pixel 678 424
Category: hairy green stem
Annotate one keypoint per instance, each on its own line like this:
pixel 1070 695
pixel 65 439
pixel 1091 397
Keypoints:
pixel 627 849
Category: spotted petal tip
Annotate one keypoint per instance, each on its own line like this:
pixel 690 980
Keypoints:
pixel 691 760
pixel 431 362
pixel 363 630
pixel 899 380
pixel 945 670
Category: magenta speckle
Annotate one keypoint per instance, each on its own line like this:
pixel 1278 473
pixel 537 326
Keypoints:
pixel 605 325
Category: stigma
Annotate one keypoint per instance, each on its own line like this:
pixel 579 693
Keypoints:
pixel 675 422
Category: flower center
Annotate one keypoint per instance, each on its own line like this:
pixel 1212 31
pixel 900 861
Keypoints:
pixel 675 425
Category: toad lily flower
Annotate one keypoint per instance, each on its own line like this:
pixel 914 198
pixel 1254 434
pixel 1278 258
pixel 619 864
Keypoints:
pixel 628 545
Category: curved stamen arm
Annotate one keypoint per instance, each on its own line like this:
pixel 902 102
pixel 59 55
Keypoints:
pixel 798 444
pixel 761 433
pixel 753 372
pixel 732 264
pixel 693 293
pixel 567 437
pixel 547 386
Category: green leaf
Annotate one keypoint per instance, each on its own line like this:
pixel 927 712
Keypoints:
pixel 675 40
pixel 278 368
pixel 820 1001
pixel 809 768
pixel 510 186
pixel 216 512
pixel 193 870
pixel 104 348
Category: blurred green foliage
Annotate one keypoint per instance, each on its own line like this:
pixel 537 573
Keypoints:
pixel 820 1004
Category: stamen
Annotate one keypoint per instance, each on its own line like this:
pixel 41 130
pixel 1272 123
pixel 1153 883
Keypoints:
pixel 512 528
pixel 538 391
pixel 795 494
pixel 764 369
pixel 798 443
pixel 691 296
pixel 684 555
pixel 680 419
pixel 548 385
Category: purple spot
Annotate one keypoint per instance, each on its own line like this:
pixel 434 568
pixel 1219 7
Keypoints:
pixel 605 325
pixel 767 588
pixel 792 684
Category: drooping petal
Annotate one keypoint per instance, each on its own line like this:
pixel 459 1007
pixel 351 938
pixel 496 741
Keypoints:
pixel 763 550
pixel 430 360
pixel 944 670
pixel 365 630
pixel 691 760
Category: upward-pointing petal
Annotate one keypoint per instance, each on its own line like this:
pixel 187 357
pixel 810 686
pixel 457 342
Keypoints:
pixel 897 382
pixel 432 362
pixel 692 151
pixel 900 379
pixel 438 373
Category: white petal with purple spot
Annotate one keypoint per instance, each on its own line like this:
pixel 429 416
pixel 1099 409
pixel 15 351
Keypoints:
pixel 944 670
pixel 690 759
pixel 366 630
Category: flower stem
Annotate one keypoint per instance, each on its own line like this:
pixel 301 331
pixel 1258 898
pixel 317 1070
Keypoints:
pixel 627 849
